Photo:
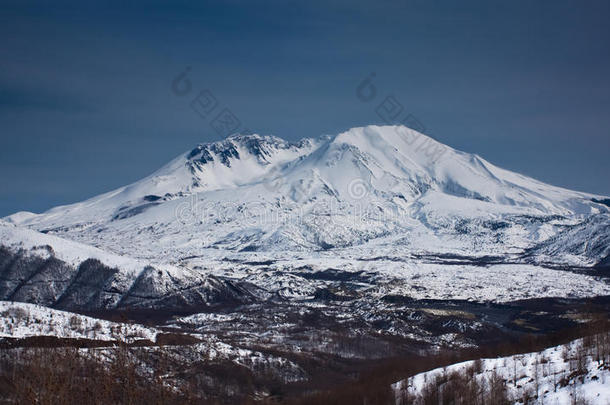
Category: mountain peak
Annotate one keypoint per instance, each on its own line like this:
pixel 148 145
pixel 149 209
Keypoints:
pixel 261 147
pixel 379 168
pixel 408 142
pixel 264 147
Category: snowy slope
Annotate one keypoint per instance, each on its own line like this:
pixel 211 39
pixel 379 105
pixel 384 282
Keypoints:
pixel 21 320
pixel 565 374
pixel 386 201
pixel 371 184
pixel 56 272
pixel 590 238
pixel 230 163
pixel 68 251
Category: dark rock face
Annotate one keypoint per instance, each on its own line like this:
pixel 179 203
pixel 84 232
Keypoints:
pixel 604 201
pixel 126 212
pixel 27 277
pixel 90 288
pixel 261 147
pixel 31 278
pixel 225 152
pixel 157 289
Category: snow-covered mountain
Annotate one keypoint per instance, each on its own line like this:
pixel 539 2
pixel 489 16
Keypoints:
pixel 260 193
pixel 285 257
pixel 60 273
pixel 384 200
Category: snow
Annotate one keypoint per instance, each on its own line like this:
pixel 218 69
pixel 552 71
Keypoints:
pixel 499 283
pixel 519 371
pixel 66 250
pixel 363 184
pixel 21 320
pixel 369 199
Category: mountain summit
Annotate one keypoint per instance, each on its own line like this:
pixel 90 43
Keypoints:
pixel 381 187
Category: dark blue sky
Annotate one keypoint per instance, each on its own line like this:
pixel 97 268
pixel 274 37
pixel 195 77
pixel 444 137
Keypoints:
pixel 86 102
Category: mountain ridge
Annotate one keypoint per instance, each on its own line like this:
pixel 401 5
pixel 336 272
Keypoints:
pixel 253 217
pixel 374 184
pixel 205 157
